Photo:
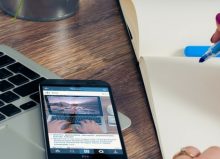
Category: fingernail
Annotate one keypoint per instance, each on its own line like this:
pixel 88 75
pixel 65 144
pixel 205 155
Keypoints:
pixel 218 18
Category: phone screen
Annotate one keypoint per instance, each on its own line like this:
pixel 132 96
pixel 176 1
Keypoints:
pixel 81 120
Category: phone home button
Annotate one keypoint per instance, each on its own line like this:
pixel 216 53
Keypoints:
pixel 101 151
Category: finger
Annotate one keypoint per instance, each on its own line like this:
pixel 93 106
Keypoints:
pixel 93 122
pixel 210 153
pixel 79 129
pixel 188 152
pixel 191 151
pixel 64 122
pixel 70 129
pixel 182 157
pixel 217 19
pixel 87 121
pixel 83 122
pixel 215 37
pixel 53 121
pixel 60 121
pixel 65 126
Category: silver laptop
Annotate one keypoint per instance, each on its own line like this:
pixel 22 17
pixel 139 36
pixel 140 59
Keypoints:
pixel 20 120
pixel 21 134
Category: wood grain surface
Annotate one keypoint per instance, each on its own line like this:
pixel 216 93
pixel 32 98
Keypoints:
pixel 92 44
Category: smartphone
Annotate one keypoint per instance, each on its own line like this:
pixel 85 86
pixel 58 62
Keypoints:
pixel 80 120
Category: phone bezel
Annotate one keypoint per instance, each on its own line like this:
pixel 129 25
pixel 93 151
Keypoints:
pixel 79 83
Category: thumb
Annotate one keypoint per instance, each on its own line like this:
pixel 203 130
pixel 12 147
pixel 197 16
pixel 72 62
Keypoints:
pixel 215 37
pixel 211 153
pixel 69 129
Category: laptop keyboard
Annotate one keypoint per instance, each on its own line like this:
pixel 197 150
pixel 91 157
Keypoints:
pixel 18 87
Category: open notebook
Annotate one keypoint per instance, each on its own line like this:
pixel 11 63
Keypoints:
pixel 184 95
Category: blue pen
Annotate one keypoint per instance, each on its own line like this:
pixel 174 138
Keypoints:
pixel 212 51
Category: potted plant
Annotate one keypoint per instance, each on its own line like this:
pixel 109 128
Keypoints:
pixel 40 10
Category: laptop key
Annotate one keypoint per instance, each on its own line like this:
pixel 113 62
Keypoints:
pixel 28 105
pixel 35 97
pixel 19 68
pixel 6 60
pixel 2 117
pixel 1 53
pixel 4 73
pixel 8 97
pixel 1 104
pixel 5 85
pixel 10 110
pixel 18 79
pixel 28 88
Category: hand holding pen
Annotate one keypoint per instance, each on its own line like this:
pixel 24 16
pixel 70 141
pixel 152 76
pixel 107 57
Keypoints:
pixel 215 49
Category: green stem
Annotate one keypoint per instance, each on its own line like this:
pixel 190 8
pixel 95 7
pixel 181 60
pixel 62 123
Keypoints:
pixel 19 7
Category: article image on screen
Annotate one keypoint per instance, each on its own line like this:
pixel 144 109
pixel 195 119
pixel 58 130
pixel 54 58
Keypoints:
pixel 74 105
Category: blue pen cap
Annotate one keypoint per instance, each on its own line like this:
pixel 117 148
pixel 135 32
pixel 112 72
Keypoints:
pixel 197 51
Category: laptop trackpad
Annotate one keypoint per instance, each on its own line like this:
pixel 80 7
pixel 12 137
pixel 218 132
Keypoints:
pixel 16 146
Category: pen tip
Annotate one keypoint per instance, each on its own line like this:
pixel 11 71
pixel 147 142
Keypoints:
pixel 201 60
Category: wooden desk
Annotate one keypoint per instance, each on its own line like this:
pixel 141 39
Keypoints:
pixel 93 44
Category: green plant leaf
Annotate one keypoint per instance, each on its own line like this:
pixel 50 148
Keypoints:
pixel 19 8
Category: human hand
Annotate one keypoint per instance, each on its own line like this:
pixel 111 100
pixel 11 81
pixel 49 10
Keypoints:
pixel 88 127
pixel 191 152
pixel 59 126
pixel 216 36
